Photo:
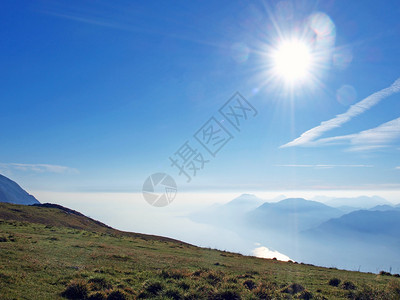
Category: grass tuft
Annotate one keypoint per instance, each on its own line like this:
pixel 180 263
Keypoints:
pixel 292 289
pixel 76 290
pixel 334 281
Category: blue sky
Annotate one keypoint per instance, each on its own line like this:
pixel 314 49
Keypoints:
pixel 96 97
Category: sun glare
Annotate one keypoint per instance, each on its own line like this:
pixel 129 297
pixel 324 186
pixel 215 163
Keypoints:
pixel 292 61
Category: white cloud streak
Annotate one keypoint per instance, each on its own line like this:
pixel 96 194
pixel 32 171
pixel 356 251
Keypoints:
pixel 374 138
pixel 309 137
pixel 38 168
pixel 264 252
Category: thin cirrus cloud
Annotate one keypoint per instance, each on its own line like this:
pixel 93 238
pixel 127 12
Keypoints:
pixel 105 18
pixel 38 168
pixel 374 138
pixel 364 140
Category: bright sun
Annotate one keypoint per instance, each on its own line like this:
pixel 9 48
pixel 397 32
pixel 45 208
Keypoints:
pixel 292 61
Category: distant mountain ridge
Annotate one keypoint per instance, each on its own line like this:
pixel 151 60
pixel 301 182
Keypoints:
pixel 381 222
pixel 11 192
pixel 362 202
pixel 315 232
pixel 294 214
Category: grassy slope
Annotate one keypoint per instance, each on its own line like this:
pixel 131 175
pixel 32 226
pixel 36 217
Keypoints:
pixel 57 215
pixel 38 261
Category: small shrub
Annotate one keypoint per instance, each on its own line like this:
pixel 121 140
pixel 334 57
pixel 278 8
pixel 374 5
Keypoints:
pixel 334 282
pixel 348 285
pixel 306 295
pixel 294 288
pixel 117 295
pixel 99 283
pixel 266 291
pixel 199 272
pixel 97 296
pixel 383 273
pixel 154 288
pixel 214 277
pixel 184 285
pixel 226 295
pixel 249 284
pixel 174 294
pixel 76 290
pixel 175 274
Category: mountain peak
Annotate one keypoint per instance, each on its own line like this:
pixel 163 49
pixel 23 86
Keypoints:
pixel 245 199
pixel 294 201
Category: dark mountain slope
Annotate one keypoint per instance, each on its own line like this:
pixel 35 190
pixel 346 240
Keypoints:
pixel 11 192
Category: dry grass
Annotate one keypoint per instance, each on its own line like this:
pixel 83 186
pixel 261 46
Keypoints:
pixel 44 261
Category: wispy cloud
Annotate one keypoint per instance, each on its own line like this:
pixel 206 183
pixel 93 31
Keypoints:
pixel 127 20
pixel 325 166
pixel 374 138
pixel 39 168
pixel 309 137
pixel 91 21
pixel 398 168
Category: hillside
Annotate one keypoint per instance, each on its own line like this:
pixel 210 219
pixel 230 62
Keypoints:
pixel 59 216
pixel 43 261
pixel 11 192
